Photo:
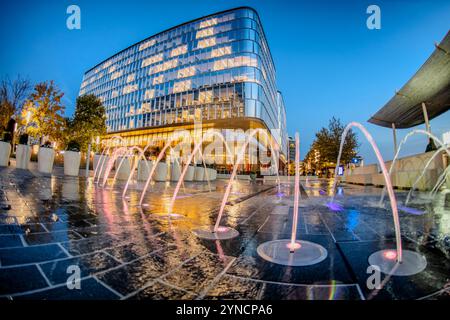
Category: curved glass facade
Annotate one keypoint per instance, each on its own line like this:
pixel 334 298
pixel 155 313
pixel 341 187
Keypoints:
pixel 213 68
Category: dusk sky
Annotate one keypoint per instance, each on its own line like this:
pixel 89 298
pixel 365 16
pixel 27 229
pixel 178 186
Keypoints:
pixel 328 62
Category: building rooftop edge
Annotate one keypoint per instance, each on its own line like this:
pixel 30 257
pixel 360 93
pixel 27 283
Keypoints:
pixel 175 27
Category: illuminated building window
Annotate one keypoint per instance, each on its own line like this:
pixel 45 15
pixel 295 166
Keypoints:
pixel 220 52
pixel 204 33
pixel 130 88
pixel 182 86
pixel 116 74
pixel 208 23
pixel 163 66
pixel 178 50
pixel 152 60
pixel 205 96
pixel 186 72
pixel 145 107
pixel 112 69
pixel 159 79
pixel 205 43
pixel 104 66
pixel 129 60
pixel 149 94
pixel 114 94
pixel 235 62
pixel 147 44
pixel 220 64
pixel 131 77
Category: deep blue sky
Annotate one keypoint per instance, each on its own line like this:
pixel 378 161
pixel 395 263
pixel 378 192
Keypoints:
pixel 328 63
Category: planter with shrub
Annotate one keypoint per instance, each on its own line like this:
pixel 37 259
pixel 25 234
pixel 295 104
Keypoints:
pixel 23 153
pixel 46 157
pixel 72 158
pixel 5 149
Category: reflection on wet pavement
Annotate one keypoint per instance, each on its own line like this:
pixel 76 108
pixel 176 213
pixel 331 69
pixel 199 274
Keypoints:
pixel 125 251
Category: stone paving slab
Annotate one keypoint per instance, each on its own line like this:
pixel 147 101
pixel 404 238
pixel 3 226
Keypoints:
pixel 124 251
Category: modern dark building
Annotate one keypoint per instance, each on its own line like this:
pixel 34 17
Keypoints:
pixel 291 145
pixel 217 69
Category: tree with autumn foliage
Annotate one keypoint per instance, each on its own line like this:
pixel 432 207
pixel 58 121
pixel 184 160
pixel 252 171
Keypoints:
pixel 325 148
pixel 42 114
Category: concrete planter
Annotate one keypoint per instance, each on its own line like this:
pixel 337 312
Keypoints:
pixel 72 163
pixel 199 174
pixel 175 171
pixel 5 152
pixel 144 169
pixel 190 174
pixel 99 160
pixel 23 155
pixel 212 174
pixel 125 168
pixel 46 156
pixel 160 172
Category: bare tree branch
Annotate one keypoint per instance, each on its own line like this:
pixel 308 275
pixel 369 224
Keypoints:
pixel 13 94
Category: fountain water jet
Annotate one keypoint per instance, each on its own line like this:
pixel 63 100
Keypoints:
pixel 440 181
pixel 126 155
pixel 103 157
pixel 133 169
pixel 147 183
pixel 111 161
pixel 413 262
pixel 292 252
pixel 197 148
pixel 414 132
pixel 218 232
pixel 183 173
pixel 436 153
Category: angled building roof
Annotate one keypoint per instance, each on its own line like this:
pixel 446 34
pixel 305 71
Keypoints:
pixel 430 84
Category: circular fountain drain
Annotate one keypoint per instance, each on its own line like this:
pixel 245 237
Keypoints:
pixel 305 254
pixel 222 233
pixel 386 260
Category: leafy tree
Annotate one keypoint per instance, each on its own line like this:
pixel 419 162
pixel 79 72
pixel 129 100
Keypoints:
pixel 13 94
pixel 328 141
pixel 88 121
pixel 43 112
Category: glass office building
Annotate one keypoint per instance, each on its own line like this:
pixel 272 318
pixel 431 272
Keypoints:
pixel 217 69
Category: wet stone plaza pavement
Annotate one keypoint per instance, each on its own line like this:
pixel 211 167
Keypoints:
pixel 124 251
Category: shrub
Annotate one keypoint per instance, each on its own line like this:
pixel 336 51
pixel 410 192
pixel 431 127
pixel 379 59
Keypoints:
pixel 23 139
pixel 73 146
pixel 47 144
pixel 6 136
